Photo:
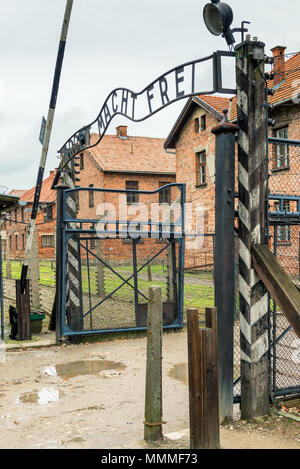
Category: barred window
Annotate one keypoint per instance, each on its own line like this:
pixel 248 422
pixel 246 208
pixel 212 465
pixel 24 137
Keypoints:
pixel 81 161
pixel 132 198
pixel 165 194
pixel 48 213
pixel 203 123
pixel 284 231
pixel 91 197
pixel 200 124
pixel 47 241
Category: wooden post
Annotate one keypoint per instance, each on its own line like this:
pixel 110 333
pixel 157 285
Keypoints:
pixel 203 381
pixel 252 178
pixel 34 273
pixel 153 398
pixel 8 262
pixel 23 309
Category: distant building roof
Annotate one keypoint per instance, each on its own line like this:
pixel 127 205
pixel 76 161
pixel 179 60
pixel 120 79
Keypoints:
pixel 17 192
pixel 132 154
pixel 47 194
pixel 8 201
pixel 284 92
pixel 212 104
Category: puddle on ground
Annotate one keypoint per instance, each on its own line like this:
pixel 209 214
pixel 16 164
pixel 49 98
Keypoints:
pixel 42 396
pixel 85 367
pixel 180 372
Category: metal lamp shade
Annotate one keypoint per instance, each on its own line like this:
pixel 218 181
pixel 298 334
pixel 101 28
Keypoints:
pixel 217 17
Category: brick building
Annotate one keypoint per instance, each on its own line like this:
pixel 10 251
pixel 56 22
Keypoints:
pixel 119 162
pixel 16 221
pixel 194 144
pixel 124 162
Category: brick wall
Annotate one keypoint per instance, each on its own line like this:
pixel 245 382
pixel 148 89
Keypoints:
pixel 119 250
pixel 188 144
pixel 16 232
pixel 283 181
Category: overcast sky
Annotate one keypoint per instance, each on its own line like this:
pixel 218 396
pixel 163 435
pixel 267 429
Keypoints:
pixel 110 44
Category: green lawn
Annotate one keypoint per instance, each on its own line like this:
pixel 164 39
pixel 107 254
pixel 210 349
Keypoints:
pixel 195 295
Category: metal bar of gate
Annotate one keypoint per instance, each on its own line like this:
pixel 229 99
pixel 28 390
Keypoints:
pixel 80 284
pixel 135 278
pixel 174 276
pixel 274 345
pixel 1 288
pixel 89 283
pixel 114 271
pixel 120 286
pixel 286 141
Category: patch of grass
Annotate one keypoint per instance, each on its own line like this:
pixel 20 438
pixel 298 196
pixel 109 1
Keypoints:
pixel 195 295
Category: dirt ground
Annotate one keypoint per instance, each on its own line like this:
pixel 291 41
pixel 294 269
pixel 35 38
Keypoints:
pixel 92 396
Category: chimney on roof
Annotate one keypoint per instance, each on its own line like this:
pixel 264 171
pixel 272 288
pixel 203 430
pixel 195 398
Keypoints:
pixel 279 64
pixel 122 131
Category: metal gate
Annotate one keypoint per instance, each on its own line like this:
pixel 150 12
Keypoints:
pixel 284 343
pixel 111 258
pixel 283 226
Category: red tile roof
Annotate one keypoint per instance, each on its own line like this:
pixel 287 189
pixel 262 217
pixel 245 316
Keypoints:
pixel 17 192
pixel 133 154
pixel 292 74
pixel 285 91
pixel 47 194
pixel 216 102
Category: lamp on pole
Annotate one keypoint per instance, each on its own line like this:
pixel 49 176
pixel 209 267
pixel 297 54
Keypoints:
pixel 218 17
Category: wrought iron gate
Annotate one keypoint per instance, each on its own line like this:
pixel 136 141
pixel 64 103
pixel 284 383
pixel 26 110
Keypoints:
pixel 111 259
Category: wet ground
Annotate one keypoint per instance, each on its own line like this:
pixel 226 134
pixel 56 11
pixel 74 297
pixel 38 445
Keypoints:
pixel 92 396
pixel 85 396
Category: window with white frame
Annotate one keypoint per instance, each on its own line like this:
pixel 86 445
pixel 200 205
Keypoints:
pixel 47 241
pixel 201 169
pixel 284 231
pixel 282 150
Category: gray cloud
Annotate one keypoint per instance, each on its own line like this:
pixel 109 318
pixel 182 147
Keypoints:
pixel 110 44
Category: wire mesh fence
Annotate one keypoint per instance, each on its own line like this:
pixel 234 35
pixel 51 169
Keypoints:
pixel 115 276
pixel 284 235
pixel 284 170
pixel 285 363
pixel 120 242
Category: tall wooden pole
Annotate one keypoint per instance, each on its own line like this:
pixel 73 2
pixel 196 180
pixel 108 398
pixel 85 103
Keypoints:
pixel 34 273
pixel 153 397
pixel 50 118
pixel 252 221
